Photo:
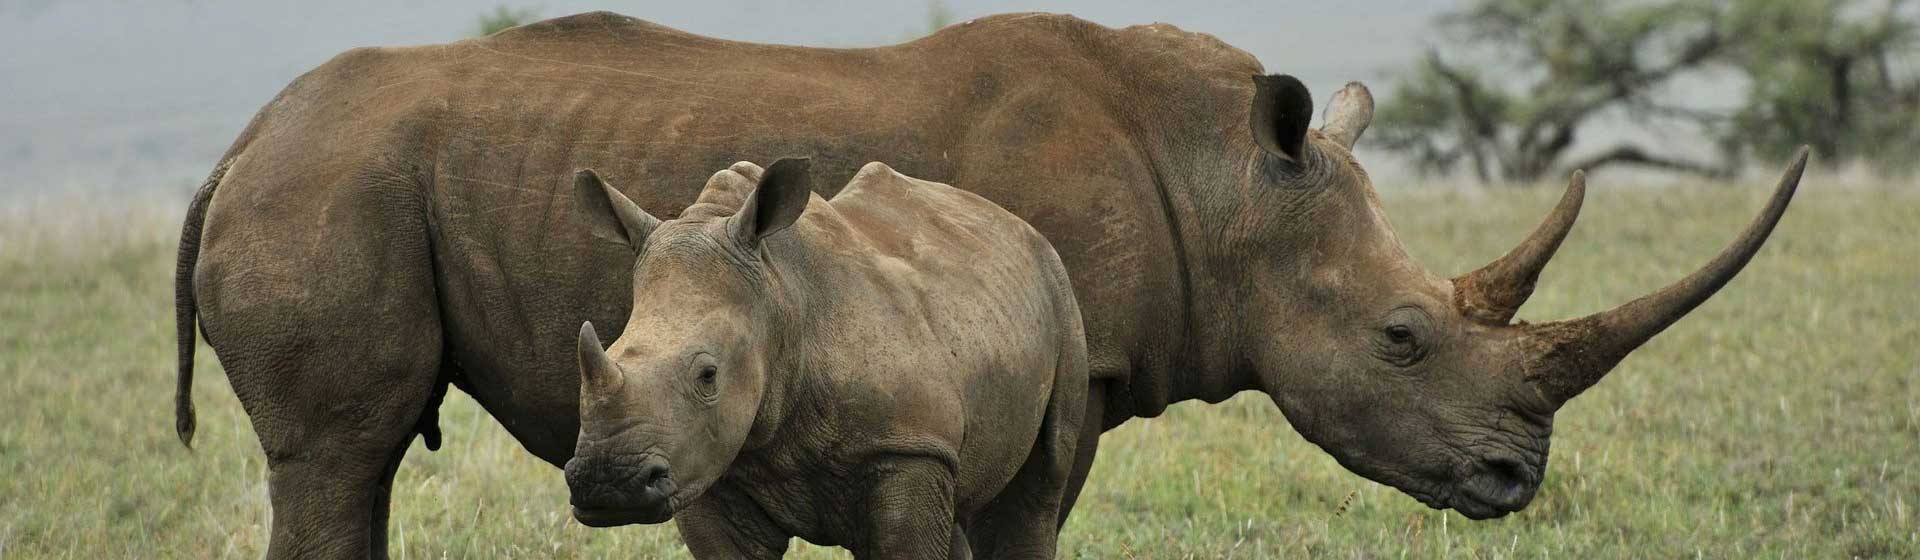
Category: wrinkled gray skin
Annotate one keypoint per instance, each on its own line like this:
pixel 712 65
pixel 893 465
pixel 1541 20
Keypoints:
pixel 397 221
pixel 903 357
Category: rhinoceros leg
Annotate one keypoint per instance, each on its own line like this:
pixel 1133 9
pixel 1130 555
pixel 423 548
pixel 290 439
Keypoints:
pixel 909 511
pixel 725 523
pixel 335 424
pixel 1023 520
pixel 1092 425
pixel 328 327
pixel 331 500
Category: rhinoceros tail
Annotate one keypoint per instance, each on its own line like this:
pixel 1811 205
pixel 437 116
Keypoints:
pixel 184 311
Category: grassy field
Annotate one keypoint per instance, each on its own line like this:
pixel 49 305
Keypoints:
pixel 1781 419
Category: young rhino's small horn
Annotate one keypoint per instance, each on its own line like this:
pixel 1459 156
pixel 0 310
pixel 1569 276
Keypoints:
pixel 597 370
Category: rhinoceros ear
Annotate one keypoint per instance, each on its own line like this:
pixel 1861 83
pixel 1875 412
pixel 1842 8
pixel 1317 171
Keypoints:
pixel 1281 110
pixel 611 215
pixel 776 202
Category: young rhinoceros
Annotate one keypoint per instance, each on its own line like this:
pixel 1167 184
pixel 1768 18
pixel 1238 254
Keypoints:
pixel 902 363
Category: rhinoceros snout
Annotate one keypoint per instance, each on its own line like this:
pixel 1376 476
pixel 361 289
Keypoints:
pixel 612 491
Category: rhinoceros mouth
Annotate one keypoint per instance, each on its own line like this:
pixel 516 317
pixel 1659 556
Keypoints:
pixel 1464 501
pixel 1478 510
pixel 615 517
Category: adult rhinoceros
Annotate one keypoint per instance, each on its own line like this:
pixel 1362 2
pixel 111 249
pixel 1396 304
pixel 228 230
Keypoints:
pixel 397 220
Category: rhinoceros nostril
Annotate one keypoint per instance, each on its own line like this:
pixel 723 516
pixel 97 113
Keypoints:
pixel 1511 471
pixel 654 475
pixel 1505 484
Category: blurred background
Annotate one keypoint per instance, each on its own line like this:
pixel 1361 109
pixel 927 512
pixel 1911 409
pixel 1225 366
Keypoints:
pixel 1780 419
pixel 102 94
pixel 123 94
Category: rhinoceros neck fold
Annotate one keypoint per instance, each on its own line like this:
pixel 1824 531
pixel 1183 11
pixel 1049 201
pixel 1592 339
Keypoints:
pixel 1197 168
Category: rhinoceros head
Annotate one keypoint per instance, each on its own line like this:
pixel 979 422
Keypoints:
pixel 669 405
pixel 1415 380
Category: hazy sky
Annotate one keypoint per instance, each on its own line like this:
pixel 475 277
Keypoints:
pixel 103 94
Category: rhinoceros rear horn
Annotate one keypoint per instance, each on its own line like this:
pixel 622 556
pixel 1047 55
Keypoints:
pixel 597 370
pixel 1493 293
pixel 1573 355
pixel 1348 115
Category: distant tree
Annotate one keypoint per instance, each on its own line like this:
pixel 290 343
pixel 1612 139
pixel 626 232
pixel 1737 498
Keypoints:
pixel 938 17
pixel 503 18
pixel 1544 69
pixel 1840 75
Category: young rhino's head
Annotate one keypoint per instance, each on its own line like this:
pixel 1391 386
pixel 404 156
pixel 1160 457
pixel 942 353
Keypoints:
pixel 665 409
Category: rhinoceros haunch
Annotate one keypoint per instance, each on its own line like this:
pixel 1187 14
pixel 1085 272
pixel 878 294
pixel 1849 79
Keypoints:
pixel 395 222
pixel 872 372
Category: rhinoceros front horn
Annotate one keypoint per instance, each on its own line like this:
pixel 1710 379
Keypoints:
pixel 1493 293
pixel 597 370
pixel 1570 356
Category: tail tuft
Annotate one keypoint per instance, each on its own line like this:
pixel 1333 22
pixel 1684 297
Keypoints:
pixel 183 418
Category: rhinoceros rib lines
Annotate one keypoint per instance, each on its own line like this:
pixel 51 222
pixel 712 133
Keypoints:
pixel 656 77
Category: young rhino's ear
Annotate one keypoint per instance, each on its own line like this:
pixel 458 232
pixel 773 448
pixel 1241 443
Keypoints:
pixel 611 215
pixel 776 202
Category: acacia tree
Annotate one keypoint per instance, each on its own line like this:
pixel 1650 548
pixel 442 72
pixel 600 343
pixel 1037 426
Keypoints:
pixel 1545 69
pixel 503 18
pixel 1839 75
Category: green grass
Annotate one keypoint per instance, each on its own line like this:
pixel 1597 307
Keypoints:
pixel 1781 419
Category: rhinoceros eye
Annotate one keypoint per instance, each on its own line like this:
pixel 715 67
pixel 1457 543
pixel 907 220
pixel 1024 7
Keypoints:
pixel 706 377
pixel 1400 334
pixel 1399 339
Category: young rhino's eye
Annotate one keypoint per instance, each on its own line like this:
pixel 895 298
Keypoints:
pixel 1400 334
pixel 705 383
